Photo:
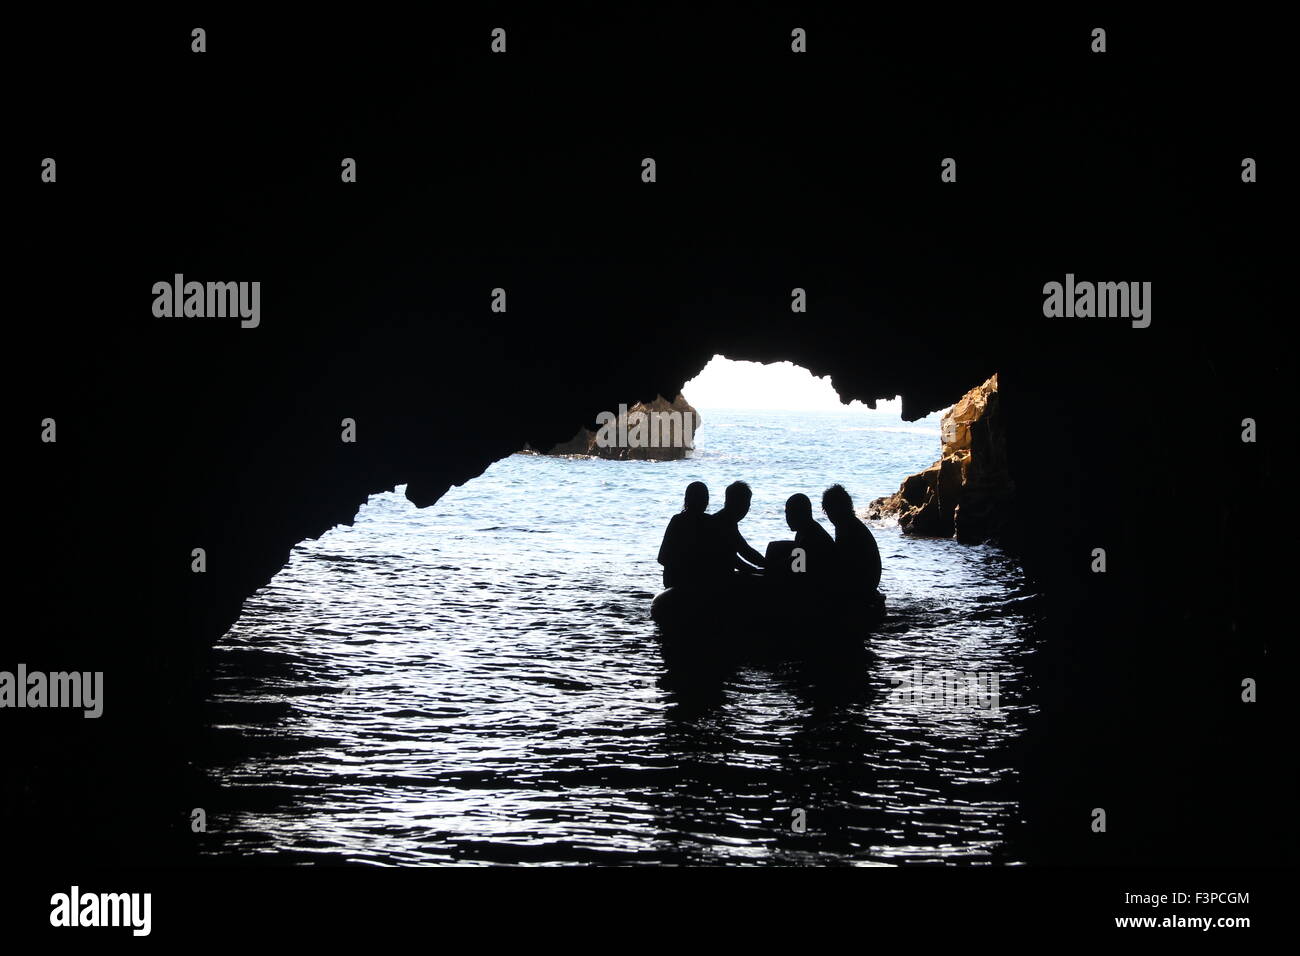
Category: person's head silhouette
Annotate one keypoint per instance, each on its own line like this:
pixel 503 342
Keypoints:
pixel 697 498
pixel 798 511
pixel 837 504
pixel 737 500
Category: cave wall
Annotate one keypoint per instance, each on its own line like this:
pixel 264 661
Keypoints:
pixel 772 173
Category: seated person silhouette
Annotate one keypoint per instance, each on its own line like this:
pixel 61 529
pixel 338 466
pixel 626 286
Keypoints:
pixel 857 556
pixel 810 557
pixel 684 551
pixel 731 552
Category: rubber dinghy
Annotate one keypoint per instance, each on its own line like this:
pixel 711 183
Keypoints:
pixel 751 616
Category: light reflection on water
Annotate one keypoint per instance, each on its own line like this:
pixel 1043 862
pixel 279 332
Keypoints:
pixel 479 681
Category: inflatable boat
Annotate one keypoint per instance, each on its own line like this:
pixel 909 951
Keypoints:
pixel 752 618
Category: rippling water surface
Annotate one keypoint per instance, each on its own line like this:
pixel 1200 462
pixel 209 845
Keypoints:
pixel 480 682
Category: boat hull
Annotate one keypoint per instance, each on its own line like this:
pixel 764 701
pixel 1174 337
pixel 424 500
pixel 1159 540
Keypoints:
pixel 749 620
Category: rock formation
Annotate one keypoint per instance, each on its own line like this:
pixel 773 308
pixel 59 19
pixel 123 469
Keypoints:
pixel 968 492
pixel 656 431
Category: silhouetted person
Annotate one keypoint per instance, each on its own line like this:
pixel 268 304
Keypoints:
pixel 857 557
pixel 686 551
pixel 731 552
pixel 801 569
pixel 818 559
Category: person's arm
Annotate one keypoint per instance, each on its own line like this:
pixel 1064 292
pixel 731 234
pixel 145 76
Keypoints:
pixel 669 544
pixel 873 557
pixel 747 559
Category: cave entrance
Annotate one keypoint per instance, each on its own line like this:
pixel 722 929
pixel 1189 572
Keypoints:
pixel 479 680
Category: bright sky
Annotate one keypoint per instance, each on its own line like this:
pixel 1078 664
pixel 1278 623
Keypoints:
pixel 725 383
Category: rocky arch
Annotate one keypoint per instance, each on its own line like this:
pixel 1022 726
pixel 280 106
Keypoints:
pixel 376 307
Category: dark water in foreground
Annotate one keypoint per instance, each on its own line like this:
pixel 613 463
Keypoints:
pixel 479 682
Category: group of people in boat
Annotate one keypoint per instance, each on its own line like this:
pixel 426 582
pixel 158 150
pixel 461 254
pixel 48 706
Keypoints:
pixel 708 551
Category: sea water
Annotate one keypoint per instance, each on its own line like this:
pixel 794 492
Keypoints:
pixel 480 681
